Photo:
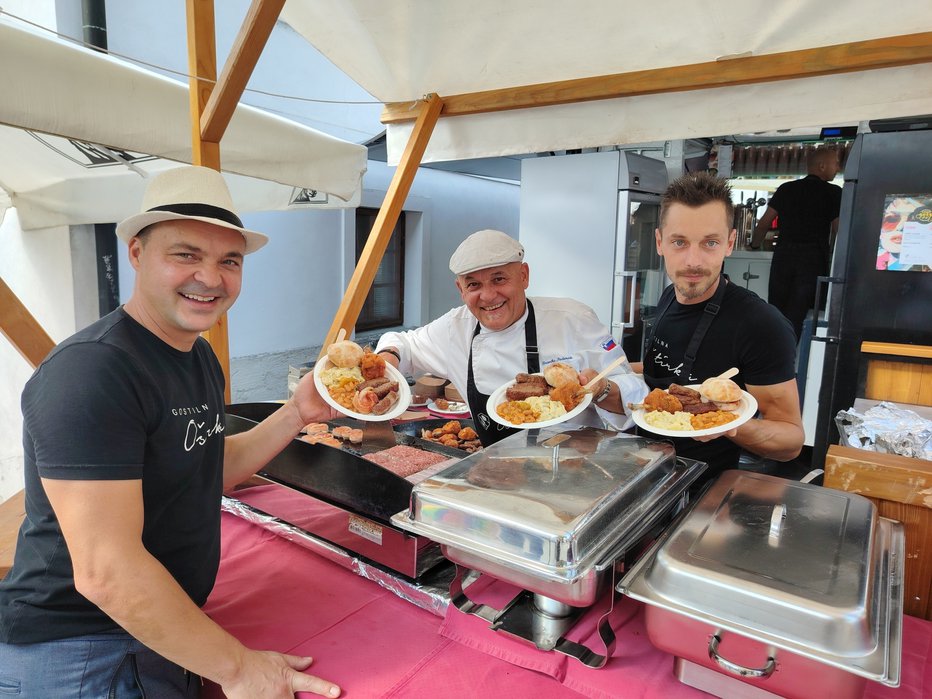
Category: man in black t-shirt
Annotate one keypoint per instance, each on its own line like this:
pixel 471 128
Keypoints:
pixel 808 210
pixel 125 464
pixel 726 325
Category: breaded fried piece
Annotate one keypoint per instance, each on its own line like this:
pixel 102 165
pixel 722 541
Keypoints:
pixel 658 399
pixel 569 394
pixel 372 365
pixel 452 427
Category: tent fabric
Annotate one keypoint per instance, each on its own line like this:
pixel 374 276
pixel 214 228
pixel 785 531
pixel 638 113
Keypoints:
pixel 58 100
pixel 402 50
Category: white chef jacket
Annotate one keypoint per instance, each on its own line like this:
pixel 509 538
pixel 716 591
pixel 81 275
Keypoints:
pixel 567 331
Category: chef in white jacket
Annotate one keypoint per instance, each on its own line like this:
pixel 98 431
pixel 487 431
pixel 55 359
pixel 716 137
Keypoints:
pixel 500 332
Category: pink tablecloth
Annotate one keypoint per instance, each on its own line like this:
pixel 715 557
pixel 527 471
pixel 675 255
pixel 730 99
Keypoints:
pixel 273 594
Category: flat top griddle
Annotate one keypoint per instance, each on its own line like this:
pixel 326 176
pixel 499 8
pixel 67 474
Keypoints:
pixel 340 476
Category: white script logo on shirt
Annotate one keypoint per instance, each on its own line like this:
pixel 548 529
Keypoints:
pixel 198 433
pixel 663 361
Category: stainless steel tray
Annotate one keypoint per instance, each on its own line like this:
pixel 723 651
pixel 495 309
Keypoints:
pixel 549 504
pixel 804 568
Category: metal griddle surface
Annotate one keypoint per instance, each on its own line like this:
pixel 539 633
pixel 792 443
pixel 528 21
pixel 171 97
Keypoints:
pixel 340 476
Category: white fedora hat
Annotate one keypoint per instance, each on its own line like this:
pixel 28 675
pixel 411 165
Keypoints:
pixel 191 192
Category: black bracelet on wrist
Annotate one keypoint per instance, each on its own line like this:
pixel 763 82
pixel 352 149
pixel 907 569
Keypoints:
pixel 389 350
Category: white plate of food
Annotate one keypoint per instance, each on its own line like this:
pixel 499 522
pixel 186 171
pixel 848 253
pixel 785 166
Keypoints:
pixel 667 424
pixel 448 408
pixel 549 410
pixel 347 387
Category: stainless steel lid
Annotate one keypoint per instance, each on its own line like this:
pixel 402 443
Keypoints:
pixel 550 502
pixel 804 567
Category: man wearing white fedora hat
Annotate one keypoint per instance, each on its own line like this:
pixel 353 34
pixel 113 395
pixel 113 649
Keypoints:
pixel 125 463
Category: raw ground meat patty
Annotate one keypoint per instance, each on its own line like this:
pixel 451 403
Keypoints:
pixel 403 460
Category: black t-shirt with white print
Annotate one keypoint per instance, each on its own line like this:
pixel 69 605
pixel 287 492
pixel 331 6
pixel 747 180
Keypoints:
pixel 114 402
pixel 748 333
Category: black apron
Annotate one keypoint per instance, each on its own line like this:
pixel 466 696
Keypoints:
pixel 692 350
pixel 718 454
pixel 488 430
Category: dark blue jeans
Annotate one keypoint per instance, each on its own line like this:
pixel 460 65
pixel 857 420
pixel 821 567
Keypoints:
pixel 111 665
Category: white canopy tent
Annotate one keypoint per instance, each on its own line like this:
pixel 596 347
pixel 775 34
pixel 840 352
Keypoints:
pixel 485 54
pixel 58 101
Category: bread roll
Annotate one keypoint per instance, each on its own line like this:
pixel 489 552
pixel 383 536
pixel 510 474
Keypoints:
pixel 725 393
pixel 346 354
pixel 559 373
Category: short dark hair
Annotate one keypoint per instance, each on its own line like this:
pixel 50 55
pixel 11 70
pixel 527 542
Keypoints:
pixel 695 189
pixel 823 154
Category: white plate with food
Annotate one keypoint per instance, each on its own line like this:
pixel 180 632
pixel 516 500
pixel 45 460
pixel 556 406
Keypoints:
pixel 343 385
pixel 448 408
pixel 673 424
pixel 550 412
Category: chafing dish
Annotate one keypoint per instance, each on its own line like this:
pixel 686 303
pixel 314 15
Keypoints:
pixel 790 587
pixel 550 511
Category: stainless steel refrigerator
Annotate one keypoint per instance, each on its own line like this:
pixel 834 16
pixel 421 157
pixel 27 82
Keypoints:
pixel 867 303
pixel 587 223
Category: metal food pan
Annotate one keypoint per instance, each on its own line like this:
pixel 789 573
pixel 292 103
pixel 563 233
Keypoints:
pixel 788 570
pixel 548 505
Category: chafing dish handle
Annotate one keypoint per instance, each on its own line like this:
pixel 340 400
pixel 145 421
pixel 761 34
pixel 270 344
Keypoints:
pixel 736 669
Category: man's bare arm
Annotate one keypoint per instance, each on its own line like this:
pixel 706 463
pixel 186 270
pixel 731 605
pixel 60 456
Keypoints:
pixel 247 452
pixel 779 433
pixel 114 571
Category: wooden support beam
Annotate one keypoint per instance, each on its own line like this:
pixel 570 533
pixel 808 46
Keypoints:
pixel 21 329
pixel 872 54
pixel 252 37
pixel 427 113
pixel 202 66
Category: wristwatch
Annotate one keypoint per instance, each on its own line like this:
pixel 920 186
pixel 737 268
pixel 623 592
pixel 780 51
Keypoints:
pixel 391 351
pixel 603 394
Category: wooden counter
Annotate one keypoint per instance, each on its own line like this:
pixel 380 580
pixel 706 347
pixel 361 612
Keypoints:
pixel 901 488
pixel 12 512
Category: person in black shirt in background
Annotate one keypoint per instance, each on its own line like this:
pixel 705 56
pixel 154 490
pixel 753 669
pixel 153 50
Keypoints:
pixel 808 210
pixel 706 325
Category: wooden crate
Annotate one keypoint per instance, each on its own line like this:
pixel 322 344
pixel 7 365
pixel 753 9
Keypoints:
pixel 901 488
pixel 898 373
